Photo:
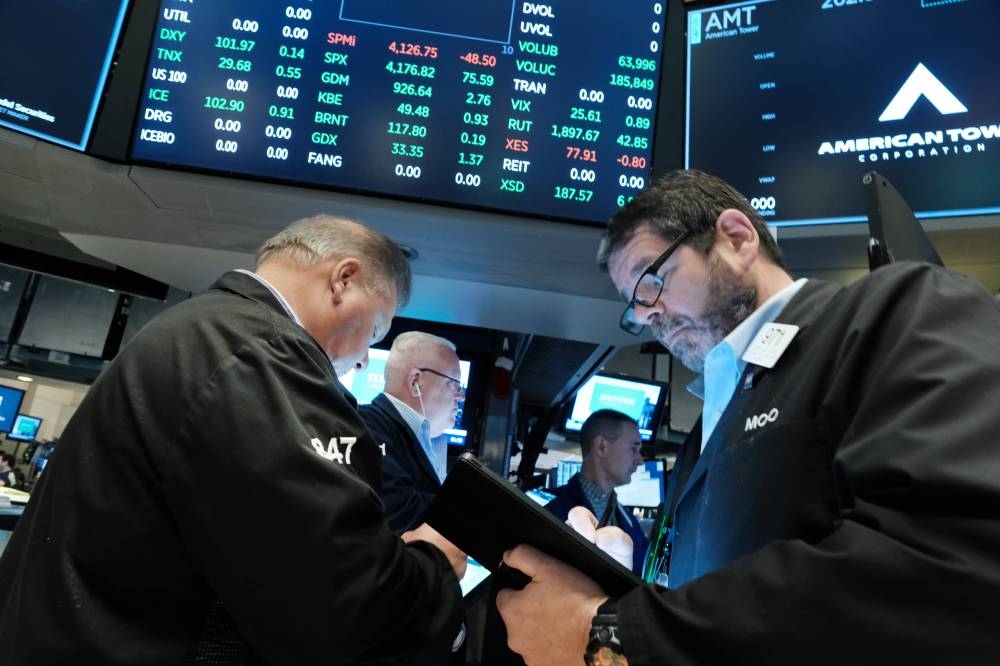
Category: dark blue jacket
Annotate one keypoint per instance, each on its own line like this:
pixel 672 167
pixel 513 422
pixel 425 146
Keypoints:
pixel 572 495
pixel 409 482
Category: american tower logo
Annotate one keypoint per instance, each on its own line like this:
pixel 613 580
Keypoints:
pixel 721 24
pixel 907 144
pixel 921 83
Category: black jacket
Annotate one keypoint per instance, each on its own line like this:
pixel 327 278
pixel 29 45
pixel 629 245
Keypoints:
pixel 846 509
pixel 409 481
pixel 216 482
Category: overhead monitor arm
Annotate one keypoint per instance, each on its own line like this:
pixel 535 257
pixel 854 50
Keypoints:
pixel 894 234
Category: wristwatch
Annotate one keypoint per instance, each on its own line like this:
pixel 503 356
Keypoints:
pixel 603 636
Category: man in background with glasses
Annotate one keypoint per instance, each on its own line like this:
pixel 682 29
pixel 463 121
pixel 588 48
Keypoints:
pixel 423 391
pixel 421 398
pixel 836 502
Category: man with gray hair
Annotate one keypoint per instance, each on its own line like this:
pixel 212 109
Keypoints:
pixel 213 500
pixel 423 389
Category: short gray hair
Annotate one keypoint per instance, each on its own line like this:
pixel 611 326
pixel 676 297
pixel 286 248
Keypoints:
pixel 315 239
pixel 411 349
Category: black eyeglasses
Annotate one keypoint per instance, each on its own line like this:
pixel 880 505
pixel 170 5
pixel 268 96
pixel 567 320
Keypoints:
pixel 648 288
pixel 456 384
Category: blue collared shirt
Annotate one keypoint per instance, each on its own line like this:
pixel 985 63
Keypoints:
pixel 723 365
pixel 436 450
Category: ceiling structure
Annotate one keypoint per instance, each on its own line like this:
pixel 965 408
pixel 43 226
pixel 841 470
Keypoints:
pixel 185 229
pixel 533 277
pixel 475 269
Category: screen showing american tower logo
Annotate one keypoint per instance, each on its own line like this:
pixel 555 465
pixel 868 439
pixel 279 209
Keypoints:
pixel 793 101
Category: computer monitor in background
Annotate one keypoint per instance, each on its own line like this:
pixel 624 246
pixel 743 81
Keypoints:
pixel 641 399
pixel 365 384
pixel 25 428
pixel 646 487
pixel 543 497
pixel 565 469
pixel 10 403
pixel 456 436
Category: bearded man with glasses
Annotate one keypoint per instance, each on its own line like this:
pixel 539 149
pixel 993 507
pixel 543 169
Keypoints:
pixel 831 503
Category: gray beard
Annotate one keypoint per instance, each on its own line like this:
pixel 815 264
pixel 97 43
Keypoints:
pixel 729 302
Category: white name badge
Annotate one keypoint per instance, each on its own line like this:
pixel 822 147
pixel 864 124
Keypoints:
pixel 770 343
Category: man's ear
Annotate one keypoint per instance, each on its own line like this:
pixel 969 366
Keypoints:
pixel 411 382
pixel 600 445
pixel 738 234
pixel 343 273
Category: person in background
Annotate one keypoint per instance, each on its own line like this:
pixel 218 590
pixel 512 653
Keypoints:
pixel 423 390
pixel 214 498
pixel 610 444
pixel 8 478
pixel 839 500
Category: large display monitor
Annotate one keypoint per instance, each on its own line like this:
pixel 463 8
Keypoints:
pixel 793 102
pixel 10 403
pixel 544 109
pixel 641 399
pixel 56 56
pixel 25 428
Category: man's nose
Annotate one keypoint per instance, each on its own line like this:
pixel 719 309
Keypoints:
pixel 647 314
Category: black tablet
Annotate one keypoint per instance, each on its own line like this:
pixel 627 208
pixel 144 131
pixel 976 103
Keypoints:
pixel 486 515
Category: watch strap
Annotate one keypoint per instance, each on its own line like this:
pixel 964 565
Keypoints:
pixel 604 634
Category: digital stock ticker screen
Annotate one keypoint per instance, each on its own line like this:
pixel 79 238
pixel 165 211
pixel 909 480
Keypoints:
pixel 542 109
pixel 793 101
